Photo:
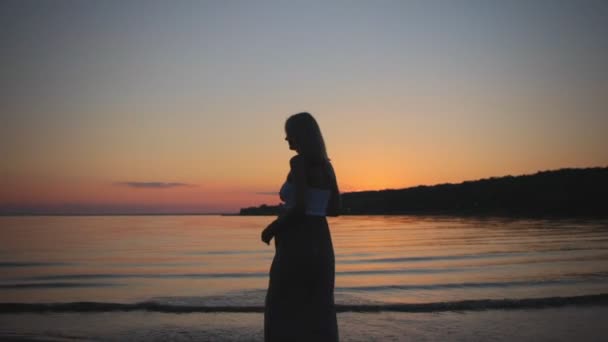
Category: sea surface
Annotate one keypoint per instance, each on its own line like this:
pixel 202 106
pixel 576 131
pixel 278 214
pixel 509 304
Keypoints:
pixel 212 266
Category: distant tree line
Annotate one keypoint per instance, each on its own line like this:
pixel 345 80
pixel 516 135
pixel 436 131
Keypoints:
pixel 262 210
pixel 568 192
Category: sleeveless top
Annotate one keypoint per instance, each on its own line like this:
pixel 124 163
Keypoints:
pixel 316 199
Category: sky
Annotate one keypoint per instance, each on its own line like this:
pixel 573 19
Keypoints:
pixel 179 106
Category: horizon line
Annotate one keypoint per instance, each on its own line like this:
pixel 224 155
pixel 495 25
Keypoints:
pixel 236 213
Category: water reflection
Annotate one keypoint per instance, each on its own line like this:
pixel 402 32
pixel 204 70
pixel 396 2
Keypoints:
pixel 378 258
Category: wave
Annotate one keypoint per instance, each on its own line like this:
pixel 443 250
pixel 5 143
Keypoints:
pixel 54 285
pixel 32 264
pixel 146 275
pixel 599 277
pixel 478 256
pixel 231 252
pixel 430 258
pixel 591 278
pixel 567 278
pixel 464 305
pixel 227 275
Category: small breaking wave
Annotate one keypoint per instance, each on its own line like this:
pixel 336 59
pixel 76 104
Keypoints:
pixel 63 277
pixel 32 264
pixel 145 276
pixel 469 285
pixel 464 305
pixel 54 285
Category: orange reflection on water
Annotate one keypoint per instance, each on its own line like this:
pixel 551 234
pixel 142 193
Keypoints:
pixel 396 258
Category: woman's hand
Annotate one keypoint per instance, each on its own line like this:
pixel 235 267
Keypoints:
pixel 268 233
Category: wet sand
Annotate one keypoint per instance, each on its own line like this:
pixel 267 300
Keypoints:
pixel 551 324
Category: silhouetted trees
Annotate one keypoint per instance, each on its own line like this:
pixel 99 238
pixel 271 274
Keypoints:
pixel 261 210
pixel 559 192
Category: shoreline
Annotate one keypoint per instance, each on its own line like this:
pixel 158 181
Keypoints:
pixel 591 300
pixel 548 324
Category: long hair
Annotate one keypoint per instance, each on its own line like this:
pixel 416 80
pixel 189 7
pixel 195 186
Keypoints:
pixel 304 129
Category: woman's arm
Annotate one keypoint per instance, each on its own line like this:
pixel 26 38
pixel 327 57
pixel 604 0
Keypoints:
pixel 298 173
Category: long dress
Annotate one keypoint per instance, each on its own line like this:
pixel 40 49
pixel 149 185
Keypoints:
pixel 300 297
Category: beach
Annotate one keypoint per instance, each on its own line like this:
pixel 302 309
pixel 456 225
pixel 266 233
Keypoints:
pixel 553 324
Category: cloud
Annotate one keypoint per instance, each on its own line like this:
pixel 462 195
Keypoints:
pixel 152 185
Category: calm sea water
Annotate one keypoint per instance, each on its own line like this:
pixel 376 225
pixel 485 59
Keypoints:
pixel 220 260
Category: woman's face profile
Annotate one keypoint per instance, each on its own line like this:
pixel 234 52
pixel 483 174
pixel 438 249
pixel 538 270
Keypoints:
pixel 291 142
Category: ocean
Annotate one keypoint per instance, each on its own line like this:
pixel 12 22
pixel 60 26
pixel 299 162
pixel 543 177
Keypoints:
pixel 204 277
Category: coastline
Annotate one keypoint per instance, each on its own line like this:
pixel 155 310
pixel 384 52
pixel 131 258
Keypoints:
pixel 548 324
pixel 568 192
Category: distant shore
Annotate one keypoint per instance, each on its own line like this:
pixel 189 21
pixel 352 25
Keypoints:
pixel 572 192
pixel 564 192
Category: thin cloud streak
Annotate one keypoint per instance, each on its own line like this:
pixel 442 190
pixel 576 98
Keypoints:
pixel 153 185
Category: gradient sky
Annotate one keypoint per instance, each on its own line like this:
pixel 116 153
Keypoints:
pixel 179 106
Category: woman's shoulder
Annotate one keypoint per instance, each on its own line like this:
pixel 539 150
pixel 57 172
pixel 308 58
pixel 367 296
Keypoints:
pixel 298 162
pixel 296 159
pixel 303 161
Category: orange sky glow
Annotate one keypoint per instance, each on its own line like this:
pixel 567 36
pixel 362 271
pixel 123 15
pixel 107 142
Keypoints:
pixel 116 108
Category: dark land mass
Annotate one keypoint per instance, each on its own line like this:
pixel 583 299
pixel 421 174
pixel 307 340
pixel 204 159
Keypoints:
pixel 564 192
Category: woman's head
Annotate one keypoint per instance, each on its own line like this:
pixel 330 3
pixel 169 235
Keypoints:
pixel 304 136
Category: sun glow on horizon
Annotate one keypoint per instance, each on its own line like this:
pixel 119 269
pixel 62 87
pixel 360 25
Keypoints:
pixel 181 108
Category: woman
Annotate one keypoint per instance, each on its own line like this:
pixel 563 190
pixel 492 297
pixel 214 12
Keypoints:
pixel 300 297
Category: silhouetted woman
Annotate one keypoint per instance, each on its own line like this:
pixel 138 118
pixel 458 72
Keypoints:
pixel 300 297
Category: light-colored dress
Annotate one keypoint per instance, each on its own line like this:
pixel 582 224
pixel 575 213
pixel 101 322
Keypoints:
pixel 316 199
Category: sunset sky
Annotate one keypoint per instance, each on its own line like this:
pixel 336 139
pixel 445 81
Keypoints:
pixel 179 106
